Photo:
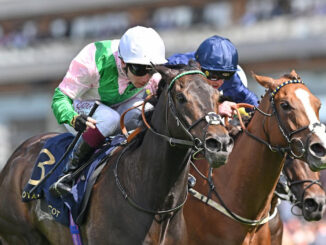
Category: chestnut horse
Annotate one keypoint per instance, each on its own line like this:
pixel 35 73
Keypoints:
pixel 139 195
pixel 285 121
pixel 304 191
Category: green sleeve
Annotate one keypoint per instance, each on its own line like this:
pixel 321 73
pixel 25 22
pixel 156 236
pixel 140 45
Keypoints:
pixel 62 107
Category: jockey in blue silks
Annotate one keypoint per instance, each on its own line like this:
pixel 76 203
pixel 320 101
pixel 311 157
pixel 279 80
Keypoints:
pixel 218 59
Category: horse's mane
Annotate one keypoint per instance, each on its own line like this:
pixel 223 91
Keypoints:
pixel 292 77
pixel 192 65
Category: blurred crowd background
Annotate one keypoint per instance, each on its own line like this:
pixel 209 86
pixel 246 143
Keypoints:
pixel 38 39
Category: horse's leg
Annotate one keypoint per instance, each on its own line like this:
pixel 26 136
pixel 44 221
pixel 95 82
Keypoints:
pixel 16 217
pixel 276 228
pixel 261 235
pixel 16 221
pixel 157 235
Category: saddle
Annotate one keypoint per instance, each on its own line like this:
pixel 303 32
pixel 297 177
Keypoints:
pixel 76 203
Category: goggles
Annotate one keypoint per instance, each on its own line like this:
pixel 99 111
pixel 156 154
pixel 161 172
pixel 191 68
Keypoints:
pixel 217 75
pixel 140 70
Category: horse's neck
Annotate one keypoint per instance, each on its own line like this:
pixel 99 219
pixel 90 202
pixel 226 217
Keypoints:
pixel 159 166
pixel 251 173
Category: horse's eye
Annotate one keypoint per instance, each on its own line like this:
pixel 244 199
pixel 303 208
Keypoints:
pixel 181 98
pixel 286 106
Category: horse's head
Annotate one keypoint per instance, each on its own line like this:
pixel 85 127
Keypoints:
pixel 191 112
pixel 306 187
pixel 295 119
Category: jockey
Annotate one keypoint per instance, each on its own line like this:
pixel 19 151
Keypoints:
pixel 218 59
pixel 115 72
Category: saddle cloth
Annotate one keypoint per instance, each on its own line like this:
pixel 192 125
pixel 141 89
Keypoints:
pixel 59 208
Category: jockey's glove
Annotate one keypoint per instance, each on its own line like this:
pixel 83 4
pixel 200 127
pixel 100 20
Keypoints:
pixel 79 122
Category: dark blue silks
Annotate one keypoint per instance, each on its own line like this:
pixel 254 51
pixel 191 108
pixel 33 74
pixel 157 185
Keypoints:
pixel 52 151
pixel 232 88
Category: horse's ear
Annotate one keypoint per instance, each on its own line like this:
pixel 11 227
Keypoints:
pixel 294 74
pixel 167 73
pixel 194 64
pixel 264 81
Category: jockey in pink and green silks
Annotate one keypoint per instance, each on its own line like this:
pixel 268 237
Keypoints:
pixel 117 73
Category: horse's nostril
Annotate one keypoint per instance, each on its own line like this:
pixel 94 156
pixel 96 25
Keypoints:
pixel 310 205
pixel 213 144
pixel 318 149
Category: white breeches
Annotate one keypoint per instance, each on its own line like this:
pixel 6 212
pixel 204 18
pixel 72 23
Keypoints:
pixel 108 118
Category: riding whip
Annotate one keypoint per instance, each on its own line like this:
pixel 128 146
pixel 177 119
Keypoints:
pixel 70 147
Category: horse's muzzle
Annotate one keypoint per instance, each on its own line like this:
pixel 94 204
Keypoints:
pixel 316 156
pixel 313 208
pixel 217 150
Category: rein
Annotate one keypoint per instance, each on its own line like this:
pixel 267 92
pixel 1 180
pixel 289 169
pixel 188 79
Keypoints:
pixel 134 203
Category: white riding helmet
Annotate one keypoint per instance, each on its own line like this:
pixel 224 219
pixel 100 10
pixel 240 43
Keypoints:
pixel 142 45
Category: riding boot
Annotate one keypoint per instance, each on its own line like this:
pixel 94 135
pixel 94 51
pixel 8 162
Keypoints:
pixel 79 155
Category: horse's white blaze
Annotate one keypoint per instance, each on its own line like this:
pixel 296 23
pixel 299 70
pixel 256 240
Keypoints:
pixel 314 123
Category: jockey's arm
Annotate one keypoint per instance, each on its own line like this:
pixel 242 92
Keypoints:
pixel 64 111
pixel 62 107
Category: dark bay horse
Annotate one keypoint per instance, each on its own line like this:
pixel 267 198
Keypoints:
pixel 139 195
pixel 285 121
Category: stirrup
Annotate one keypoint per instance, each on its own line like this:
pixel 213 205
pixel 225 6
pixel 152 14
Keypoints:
pixel 61 187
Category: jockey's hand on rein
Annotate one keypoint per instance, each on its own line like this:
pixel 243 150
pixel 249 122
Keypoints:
pixel 79 122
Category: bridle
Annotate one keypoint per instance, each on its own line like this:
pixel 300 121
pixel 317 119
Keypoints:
pixel 211 118
pixel 301 201
pixel 287 135
pixel 289 196
pixel 193 144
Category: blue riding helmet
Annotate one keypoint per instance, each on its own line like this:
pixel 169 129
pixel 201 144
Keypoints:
pixel 217 53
